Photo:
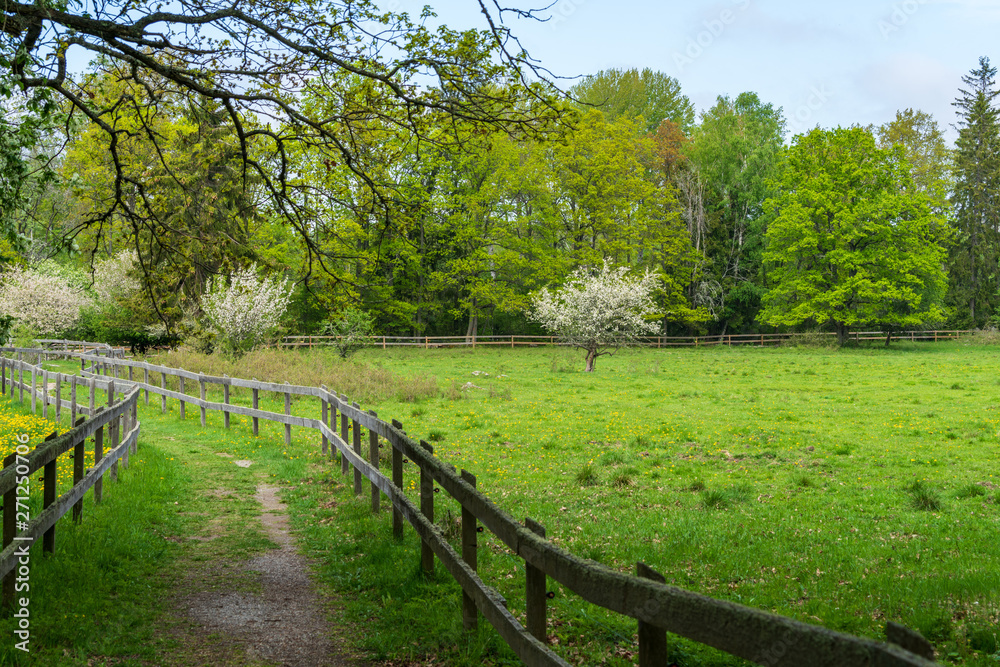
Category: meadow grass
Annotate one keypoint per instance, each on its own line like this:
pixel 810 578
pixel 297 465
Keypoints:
pixel 833 486
pixel 840 487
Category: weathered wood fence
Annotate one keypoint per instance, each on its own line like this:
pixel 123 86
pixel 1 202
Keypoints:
pixel 742 631
pixel 760 340
pixel 119 419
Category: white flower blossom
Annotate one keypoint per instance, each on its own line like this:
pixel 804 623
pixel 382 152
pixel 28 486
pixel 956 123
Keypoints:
pixel 114 277
pixel 47 304
pixel 242 312
pixel 598 312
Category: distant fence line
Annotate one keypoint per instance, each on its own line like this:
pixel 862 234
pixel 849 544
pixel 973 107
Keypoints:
pixel 736 629
pixel 120 418
pixel 762 340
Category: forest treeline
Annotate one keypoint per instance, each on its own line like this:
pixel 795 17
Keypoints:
pixel 750 229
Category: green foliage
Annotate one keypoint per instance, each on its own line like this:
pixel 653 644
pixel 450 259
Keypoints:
pixel 852 243
pixel 974 289
pixel 650 95
pixel 352 330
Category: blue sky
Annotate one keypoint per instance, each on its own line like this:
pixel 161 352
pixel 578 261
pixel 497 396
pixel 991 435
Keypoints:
pixel 824 63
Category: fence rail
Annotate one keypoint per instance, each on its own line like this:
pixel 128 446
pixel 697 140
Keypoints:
pixel 119 419
pixel 762 340
pixel 736 629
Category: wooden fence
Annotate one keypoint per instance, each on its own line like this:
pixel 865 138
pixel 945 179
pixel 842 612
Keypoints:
pixel 761 340
pixel 119 418
pixel 742 631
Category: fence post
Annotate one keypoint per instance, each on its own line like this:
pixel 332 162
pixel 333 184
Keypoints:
pixel 20 381
pixel 326 419
pixel 113 433
pixel 256 406
pixel 34 389
pixel 163 397
pixel 59 397
pixel 652 639
pixel 397 481
pixel 145 381
pixel 92 390
pixel 333 425
pixel 288 411
pixel 373 459
pixel 534 590
pixel 9 526
pixel 201 393
pixel 225 399
pixel 98 455
pixel 427 509
pixel 470 615
pixel 45 394
pixel 3 376
pixel 111 393
pixel 79 452
pixel 49 497
pixel 72 399
pixel 344 465
pixel 356 432
pixel 181 384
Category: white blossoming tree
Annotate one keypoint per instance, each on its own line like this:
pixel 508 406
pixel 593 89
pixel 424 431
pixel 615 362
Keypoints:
pixel 243 311
pixel 114 277
pixel 599 311
pixel 43 303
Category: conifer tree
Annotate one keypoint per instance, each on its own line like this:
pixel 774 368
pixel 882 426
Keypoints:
pixel 973 262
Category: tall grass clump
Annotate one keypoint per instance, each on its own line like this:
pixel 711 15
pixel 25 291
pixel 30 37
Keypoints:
pixel 361 382
pixel 922 497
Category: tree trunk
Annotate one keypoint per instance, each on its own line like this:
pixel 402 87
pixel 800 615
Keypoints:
pixel 591 360
pixel 841 334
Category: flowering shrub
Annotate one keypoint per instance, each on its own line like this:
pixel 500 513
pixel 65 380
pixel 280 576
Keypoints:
pixel 598 312
pixel 242 312
pixel 114 277
pixel 44 303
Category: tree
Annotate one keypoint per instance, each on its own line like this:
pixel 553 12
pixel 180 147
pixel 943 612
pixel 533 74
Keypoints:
pixel 255 61
pixel 44 303
pixel 852 241
pixel 599 311
pixel 242 312
pixel 735 153
pixel 975 282
pixel 650 95
pixel 925 151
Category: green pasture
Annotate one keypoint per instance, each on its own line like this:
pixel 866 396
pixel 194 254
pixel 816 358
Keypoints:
pixel 841 487
pixel 844 487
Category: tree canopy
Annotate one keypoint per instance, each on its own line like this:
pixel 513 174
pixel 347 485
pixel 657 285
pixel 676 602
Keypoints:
pixel 852 241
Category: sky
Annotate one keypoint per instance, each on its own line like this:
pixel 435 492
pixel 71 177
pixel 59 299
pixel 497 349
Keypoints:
pixel 836 63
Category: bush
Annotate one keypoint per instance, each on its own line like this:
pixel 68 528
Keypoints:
pixel 48 304
pixel 351 330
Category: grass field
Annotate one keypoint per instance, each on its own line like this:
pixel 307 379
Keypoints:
pixel 841 487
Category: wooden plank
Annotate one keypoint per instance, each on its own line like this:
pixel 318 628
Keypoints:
pixel 225 401
pixel 49 497
pixel 397 481
pixel 343 434
pixel 180 379
pixel 373 459
pixel 470 554
pixel 288 411
pixel 356 432
pixel 256 405
pixel 652 639
pixel 79 454
pixel 535 596
pixel 325 409
pixel 427 509
pixel 201 392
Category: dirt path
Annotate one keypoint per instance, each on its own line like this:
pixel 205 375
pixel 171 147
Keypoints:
pixel 240 600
